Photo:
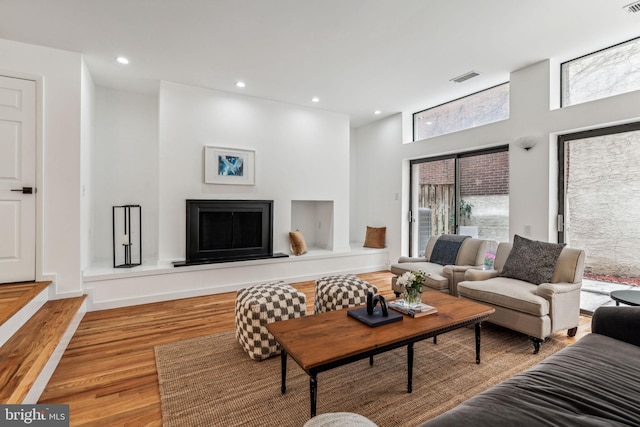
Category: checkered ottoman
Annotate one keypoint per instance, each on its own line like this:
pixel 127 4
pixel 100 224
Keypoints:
pixel 261 304
pixel 337 292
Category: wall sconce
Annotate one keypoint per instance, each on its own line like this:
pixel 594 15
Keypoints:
pixel 527 142
pixel 127 236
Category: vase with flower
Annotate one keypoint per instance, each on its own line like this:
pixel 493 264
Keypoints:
pixel 489 260
pixel 412 282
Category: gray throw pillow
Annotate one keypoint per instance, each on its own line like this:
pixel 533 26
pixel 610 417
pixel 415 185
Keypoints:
pixel 531 260
pixel 445 251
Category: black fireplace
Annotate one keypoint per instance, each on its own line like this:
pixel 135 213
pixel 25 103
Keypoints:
pixel 228 230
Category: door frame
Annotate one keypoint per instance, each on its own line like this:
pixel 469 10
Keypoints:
pixel 561 144
pixel 411 216
pixel 40 188
pixel 456 156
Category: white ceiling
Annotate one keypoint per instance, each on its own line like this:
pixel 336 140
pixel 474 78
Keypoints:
pixel 357 56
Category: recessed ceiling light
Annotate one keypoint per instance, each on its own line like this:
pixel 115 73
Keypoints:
pixel 315 99
pixel 240 84
pixel 122 60
pixel 377 112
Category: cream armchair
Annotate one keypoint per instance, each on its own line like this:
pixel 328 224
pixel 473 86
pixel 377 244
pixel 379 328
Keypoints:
pixel 537 310
pixel 442 277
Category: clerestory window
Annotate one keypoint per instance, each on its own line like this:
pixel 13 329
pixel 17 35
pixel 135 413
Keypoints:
pixel 601 74
pixel 481 108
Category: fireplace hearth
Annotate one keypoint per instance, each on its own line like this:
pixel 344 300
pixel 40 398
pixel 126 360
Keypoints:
pixel 228 230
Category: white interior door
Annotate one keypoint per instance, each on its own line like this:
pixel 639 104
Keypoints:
pixel 17 176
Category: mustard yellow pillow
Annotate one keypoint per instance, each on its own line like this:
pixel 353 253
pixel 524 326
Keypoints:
pixel 298 245
pixel 375 237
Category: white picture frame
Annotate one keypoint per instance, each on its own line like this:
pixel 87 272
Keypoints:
pixel 230 166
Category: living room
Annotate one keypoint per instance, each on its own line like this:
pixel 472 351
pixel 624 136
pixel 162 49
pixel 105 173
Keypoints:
pixel 92 163
pixel 103 143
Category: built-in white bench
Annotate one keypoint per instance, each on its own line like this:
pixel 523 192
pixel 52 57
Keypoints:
pixel 109 287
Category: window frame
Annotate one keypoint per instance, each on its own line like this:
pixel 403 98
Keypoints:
pixel 413 116
pixel 456 157
pixel 561 179
pixel 562 83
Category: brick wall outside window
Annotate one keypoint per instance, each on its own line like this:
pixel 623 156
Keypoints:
pixel 438 172
pixel 483 175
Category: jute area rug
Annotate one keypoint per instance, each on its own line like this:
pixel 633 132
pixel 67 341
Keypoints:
pixel 210 381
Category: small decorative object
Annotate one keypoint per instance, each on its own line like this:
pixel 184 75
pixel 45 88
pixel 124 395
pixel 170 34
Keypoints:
pixel 374 316
pixel 412 282
pixel 127 236
pixel 373 301
pixel 229 166
pixel 489 259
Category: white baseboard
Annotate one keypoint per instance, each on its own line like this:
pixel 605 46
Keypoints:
pixel 63 295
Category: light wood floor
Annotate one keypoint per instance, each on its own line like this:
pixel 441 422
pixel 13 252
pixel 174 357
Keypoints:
pixel 14 296
pixel 108 372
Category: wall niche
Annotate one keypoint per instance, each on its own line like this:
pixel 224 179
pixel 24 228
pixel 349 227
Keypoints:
pixel 314 218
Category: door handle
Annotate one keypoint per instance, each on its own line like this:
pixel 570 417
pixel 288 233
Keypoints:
pixel 25 190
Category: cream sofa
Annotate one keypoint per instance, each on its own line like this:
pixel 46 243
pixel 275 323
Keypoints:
pixel 537 310
pixel 442 277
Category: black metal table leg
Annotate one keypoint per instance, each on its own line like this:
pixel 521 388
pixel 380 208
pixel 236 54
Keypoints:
pixel 283 367
pixel 313 392
pixel 370 360
pixel 478 343
pixel 410 368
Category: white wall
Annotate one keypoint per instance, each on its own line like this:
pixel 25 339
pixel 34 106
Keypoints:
pixel 124 168
pixel 302 162
pixel 59 81
pixel 87 122
pixel 378 178
pixel 300 154
pixel 382 158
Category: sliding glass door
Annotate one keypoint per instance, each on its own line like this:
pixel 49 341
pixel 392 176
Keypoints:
pixel 464 194
pixel 433 201
pixel 599 200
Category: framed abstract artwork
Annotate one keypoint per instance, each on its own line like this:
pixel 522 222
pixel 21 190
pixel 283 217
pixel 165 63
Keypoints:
pixel 229 166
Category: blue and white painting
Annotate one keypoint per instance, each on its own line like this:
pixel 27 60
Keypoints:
pixel 230 165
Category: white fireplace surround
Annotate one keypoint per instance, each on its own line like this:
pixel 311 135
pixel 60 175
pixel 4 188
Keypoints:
pixel 153 282
pixel 302 163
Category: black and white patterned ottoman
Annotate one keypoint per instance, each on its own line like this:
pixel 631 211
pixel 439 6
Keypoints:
pixel 340 291
pixel 260 304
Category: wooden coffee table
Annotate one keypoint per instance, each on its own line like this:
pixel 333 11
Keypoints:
pixel 325 341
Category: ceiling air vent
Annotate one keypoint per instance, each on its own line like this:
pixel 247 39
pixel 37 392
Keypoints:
pixel 465 76
pixel 633 7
